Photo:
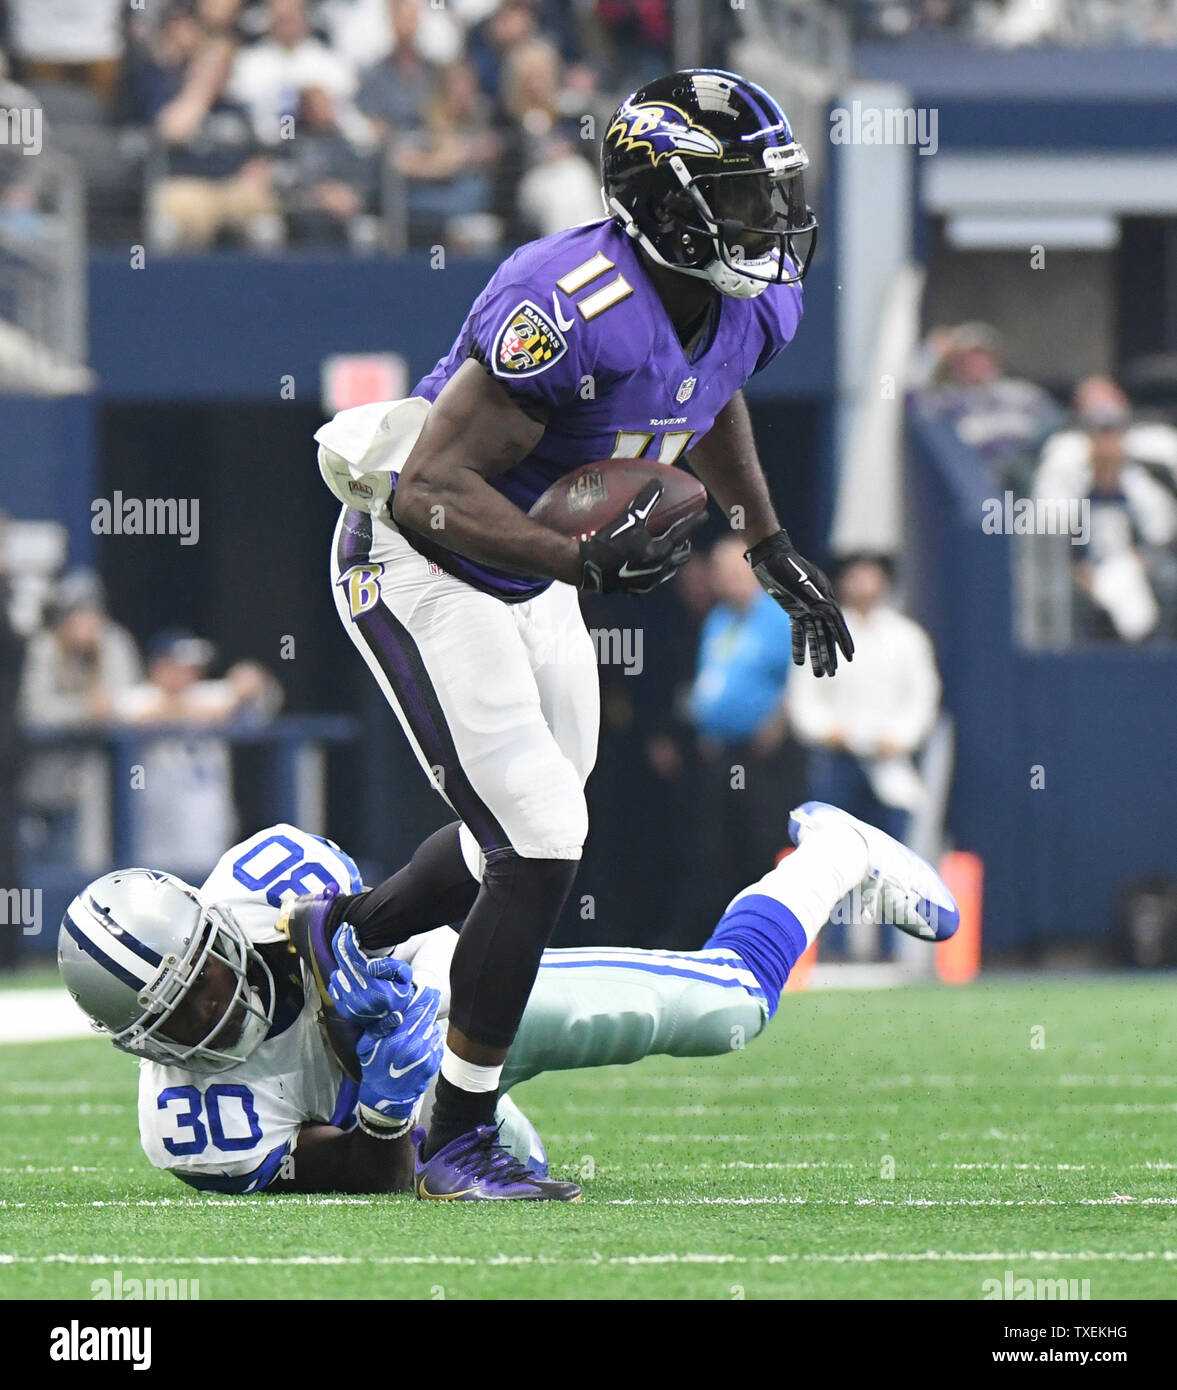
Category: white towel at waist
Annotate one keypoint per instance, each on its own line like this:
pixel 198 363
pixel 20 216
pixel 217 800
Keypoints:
pixel 362 448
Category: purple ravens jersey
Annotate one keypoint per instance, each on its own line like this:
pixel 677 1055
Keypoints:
pixel 574 329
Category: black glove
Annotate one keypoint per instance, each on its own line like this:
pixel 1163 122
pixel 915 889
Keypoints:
pixel 623 557
pixel 805 594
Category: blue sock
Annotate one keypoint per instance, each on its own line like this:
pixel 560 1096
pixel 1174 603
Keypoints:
pixel 767 938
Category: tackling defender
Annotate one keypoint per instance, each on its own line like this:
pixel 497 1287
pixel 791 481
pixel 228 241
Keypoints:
pixel 632 337
pixel 240 1088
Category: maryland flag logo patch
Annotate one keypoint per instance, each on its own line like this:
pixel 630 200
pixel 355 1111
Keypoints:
pixel 527 344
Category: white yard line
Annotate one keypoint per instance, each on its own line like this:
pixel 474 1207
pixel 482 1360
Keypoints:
pixel 898 1081
pixel 735 1166
pixel 746 1165
pixel 1115 1200
pixel 81 1107
pixel 672 1257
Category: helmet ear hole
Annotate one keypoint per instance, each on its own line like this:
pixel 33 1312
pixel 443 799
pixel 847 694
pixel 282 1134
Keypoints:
pixel 663 212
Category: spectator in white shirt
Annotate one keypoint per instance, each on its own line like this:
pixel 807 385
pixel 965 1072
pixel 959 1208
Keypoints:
pixel 864 727
pixel 69 40
pixel 269 77
pixel 185 808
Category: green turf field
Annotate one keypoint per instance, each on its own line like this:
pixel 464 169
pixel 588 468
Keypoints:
pixel 757 1175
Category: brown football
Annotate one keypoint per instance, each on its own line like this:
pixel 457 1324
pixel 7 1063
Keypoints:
pixel 580 503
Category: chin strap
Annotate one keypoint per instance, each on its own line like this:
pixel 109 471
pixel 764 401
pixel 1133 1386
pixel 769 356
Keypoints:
pixel 717 272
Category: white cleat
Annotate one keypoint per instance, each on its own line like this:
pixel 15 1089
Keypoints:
pixel 900 889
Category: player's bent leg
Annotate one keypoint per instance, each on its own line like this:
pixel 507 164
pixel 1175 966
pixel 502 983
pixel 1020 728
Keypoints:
pixel 501 944
pixel 771 923
pixel 598 1006
pixel 457 672
pixel 434 889
pixel 899 887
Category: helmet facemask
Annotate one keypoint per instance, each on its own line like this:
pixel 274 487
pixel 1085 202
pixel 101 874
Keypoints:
pixel 744 225
pixel 218 938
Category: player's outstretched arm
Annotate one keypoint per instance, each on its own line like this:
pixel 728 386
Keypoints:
pixel 327 1159
pixel 727 464
pixel 475 431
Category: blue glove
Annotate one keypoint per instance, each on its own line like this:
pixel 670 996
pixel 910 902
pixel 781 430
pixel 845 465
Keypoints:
pixel 373 992
pixel 397 1067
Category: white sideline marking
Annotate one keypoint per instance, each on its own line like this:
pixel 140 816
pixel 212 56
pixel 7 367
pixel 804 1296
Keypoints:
pixel 77 1086
pixel 1113 1201
pixel 867 975
pixel 851 1257
pixel 1118 1107
pixel 745 1165
pixel 40 1015
pixel 574 1108
pixel 29 1168
pixel 575 1137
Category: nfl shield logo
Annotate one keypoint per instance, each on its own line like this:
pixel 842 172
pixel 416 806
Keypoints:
pixel 685 390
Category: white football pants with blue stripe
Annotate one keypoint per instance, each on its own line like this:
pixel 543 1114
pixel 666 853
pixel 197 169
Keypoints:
pixel 598 1006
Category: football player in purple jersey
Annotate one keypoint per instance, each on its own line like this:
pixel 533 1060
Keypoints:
pixel 628 337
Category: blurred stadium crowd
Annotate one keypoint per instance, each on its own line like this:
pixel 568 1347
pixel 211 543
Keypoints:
pixel 470 121
pixel 1111 467
pixel 74 670
pixel 464 120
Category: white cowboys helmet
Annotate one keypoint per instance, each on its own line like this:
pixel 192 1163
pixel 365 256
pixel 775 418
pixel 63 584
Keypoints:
pixel 130 947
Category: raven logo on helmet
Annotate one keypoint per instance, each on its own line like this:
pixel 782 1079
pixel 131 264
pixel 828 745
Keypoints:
pixel 702 170
pixel 663 130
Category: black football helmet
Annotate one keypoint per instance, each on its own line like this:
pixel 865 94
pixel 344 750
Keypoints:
pixel 701 168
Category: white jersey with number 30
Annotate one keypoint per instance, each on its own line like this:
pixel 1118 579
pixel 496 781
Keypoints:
pixel 230 1132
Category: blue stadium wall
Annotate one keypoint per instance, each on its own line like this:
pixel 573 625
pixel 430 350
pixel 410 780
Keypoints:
pixel 1065 764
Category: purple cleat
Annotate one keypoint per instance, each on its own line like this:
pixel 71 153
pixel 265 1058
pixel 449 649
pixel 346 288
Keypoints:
pixel 476 1168
pixel 306 923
